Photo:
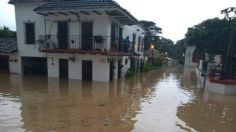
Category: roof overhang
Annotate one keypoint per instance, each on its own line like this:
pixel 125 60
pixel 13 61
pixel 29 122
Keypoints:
pixel 110 8
pixel 8 45
pixel 24 1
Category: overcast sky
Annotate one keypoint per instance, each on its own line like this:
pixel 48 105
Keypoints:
pixel 173 16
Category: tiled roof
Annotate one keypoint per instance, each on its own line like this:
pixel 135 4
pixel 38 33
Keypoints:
pixel 8 45
pixel 77 5
pixel 21 1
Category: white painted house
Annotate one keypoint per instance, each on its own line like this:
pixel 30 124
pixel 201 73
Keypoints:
pixel 76 39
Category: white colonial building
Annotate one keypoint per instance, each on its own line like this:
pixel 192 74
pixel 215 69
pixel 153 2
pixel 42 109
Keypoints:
pixel 76 39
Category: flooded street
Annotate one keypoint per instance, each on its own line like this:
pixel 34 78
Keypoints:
pixel 165 100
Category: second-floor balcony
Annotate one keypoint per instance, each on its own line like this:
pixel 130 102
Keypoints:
pixel 104 45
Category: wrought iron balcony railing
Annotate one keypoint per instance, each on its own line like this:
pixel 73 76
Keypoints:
pixel 94 43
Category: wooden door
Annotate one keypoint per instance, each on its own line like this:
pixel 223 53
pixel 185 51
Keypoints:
pixel 111 70
pixel 62 35
pixel 120 39
pixel 119 68
pixel 87 35
pixel 87 70
pixel 63 68
pixel 113 36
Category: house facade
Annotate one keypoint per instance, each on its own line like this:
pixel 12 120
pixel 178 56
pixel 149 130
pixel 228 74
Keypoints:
pixel 76 39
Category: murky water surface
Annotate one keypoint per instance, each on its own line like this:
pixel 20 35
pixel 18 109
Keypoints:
pixel 164 100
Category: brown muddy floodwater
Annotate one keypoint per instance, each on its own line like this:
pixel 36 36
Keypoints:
pixel 164 100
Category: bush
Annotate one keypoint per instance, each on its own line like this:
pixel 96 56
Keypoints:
pixel 157 60
pixel 148 67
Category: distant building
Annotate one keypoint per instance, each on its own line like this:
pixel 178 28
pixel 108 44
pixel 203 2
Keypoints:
pixel 76 39
pixel 8 55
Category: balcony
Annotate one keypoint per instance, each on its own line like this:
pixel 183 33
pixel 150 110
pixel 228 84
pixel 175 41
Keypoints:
pixel 103 45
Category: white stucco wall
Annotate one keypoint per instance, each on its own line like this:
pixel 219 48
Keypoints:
pixel 14 63
pixel 189 56
pixel 24 13
pixel 101 68
pixel 53 65
pixel 135 29
pixel 220 88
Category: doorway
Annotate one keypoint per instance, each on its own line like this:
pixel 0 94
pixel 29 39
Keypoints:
pixel 63 68
pixel 87 70
pixel 119 68
pixel 111 70
pixel 120 39
pixel 134 42
pixel 87 35
pixel 34 66
pixel 132 64
pixel 4 63
pixel 62 35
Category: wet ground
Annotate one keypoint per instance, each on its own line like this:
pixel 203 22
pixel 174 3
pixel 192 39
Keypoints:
pixel 164 100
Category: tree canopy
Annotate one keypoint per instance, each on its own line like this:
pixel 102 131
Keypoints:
pixel 177 50
pixel 164 45
pixel 151 28
pixel 5 32
pixel 210 35
pixel 152 33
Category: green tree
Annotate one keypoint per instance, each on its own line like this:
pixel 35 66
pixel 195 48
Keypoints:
pixel 164 45
pixel 177 51
pixel 210 36
pixel 152 33
pixel 5 32
pixel 158 59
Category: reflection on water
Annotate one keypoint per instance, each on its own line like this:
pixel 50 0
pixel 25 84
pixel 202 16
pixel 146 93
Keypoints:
pixel 162 100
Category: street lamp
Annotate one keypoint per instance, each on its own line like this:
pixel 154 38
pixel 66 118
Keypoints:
pixel 227 72
pixel 152 48
pixel 166 53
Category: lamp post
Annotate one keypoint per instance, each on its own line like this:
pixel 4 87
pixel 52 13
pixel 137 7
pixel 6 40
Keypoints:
pixel 227 72
pixel 166 53
pixel 152 48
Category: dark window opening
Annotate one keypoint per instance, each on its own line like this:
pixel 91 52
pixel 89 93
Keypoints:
pixel 29 33
pixel 4 64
